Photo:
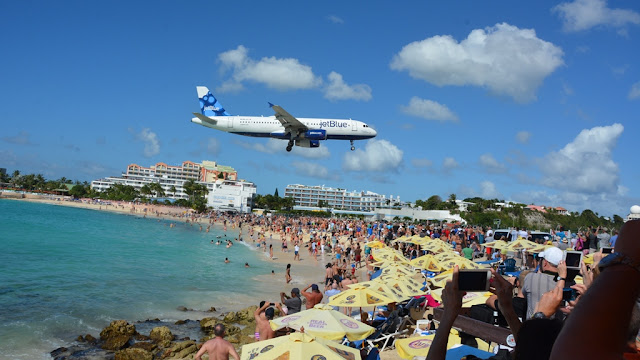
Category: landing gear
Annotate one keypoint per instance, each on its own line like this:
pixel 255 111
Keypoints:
pixel 352 147
pixel 290 145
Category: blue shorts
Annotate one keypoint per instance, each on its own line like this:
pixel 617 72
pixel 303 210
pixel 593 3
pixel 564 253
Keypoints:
pixel 338 256
pixel 295 253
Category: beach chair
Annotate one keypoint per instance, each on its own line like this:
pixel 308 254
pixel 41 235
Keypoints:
pixel 386 334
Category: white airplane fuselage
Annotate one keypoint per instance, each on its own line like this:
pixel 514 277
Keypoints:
pixel 269 126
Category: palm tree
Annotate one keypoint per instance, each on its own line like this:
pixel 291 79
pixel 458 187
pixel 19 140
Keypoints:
pixel 172 190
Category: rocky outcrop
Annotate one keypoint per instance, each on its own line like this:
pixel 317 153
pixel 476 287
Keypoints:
pixel 181 350
pixel 117 335
pixel 133 354
pixel 161 335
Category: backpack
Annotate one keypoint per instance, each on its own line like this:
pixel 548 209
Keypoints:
pixel 579 244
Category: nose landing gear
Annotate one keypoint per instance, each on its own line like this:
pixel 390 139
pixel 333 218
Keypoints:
pixel 352 147
pixel 290 145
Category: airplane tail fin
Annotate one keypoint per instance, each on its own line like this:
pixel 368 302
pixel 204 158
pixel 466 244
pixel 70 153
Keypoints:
pixel 209 105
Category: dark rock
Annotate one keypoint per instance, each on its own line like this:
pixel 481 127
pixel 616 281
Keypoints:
pixel 142 337
pixel 80 338
pixel 183 308
pixel 90 339
pixel 58 351
pixel 161 335
pixel 145 345
pixel 133 354
pixel 117 335
pixel 212 309
pixel 181 322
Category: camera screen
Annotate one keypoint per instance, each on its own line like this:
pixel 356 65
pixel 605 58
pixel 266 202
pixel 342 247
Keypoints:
pixel 473 280
pixel 607 250
pixel 573 259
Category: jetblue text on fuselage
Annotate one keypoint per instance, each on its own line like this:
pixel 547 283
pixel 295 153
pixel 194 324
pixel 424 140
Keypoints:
pixel 333 123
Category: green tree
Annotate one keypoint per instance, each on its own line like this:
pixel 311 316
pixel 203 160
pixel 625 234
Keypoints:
pixel 173 190
pixel 157 189
pixel 145 190
pixel 79 191
pixel 323 204
pixel 275 194
pixel 221 176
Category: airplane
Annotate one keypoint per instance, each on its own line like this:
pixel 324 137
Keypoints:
pixel 300 132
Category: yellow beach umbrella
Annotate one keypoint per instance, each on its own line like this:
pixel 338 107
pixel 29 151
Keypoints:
pixel 322 321
pixel 405 285
pixel 375 244
pixel 380 286
pixel 521 245
pixel 423 261
pixel 298 346
pixel 392 269
pixel 411 347
pixel 359 296
pixel 497 244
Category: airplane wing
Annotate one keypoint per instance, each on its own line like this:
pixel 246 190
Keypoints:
pixel 291 124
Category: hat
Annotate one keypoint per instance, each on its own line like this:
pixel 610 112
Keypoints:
pixel 553 255
pixel 295 291
pixel 314 287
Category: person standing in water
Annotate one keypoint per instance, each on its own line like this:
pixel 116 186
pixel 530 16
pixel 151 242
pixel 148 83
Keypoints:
pixel 287 274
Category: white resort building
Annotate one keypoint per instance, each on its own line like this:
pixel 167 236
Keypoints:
pixel 220 180
pixel 308 197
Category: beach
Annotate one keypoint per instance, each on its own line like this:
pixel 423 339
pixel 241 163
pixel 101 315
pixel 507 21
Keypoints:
pixel 261 284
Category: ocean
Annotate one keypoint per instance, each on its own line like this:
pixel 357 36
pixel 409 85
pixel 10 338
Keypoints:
pixel 68 271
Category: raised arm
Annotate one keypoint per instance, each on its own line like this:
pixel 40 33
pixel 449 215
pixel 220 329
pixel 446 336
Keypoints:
pixel 452 299
pixel 504 291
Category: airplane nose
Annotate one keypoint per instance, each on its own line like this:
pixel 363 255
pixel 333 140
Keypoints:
pixel 375 133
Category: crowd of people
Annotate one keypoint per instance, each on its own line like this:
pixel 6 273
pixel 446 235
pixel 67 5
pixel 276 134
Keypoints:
pixel 546 323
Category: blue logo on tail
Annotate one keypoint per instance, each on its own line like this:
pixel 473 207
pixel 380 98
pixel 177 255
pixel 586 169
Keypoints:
pixel 210 106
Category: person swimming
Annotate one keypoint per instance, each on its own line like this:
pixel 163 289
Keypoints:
pixel 246 265
pixel 226 260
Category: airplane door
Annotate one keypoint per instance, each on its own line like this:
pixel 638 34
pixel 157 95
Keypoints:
pixel 354 125
pixel 230 122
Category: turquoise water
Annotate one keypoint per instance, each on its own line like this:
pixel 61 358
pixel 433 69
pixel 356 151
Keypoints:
pixel 68 271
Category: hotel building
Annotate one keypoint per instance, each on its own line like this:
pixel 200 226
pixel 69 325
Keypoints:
pixel 219 179
pixel 339 199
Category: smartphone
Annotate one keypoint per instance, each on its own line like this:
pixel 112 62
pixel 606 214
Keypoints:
pixel 607 250
pixel 573 259
pixel 474 280
pixel 569 294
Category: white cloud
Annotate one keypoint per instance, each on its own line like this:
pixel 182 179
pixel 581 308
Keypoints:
pixel 584 14
pixel 378 155
pixel 449 163
pixel 275 146
pixel 339 90
pixel 490 164
pixel 334 19
pixel 280 74
pixel 523 137
pixel 151 142
pixel 617 203
pixel 584 165
pixel 429 110
pixel 634 93
pixel 421 162
pixel 505 59
pixel 314 171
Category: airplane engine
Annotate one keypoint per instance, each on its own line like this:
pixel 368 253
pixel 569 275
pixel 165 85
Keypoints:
pixel 316 134
pixel 308 143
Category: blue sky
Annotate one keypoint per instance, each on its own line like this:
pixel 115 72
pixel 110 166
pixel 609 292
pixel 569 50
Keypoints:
pixel 535 102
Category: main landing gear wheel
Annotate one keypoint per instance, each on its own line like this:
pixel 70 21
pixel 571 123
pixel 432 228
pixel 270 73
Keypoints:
pixel 352 147
pixel 290 145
